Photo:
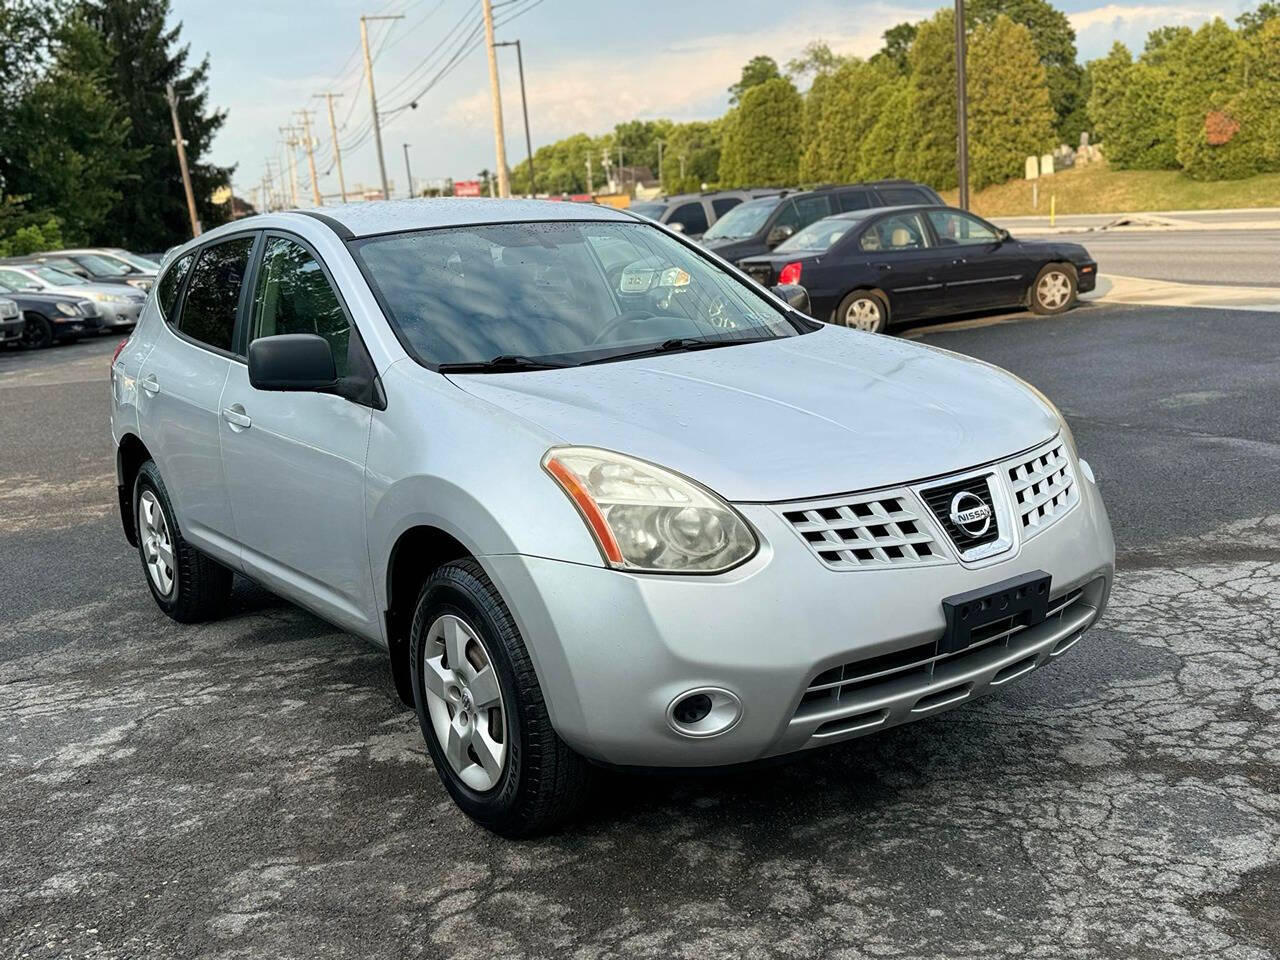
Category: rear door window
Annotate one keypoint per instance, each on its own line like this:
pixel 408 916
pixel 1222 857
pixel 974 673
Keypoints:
pixel 902 196
pixel 171 283
pixel 855 200
pixel 691 216
pixel 724 204
pixel 213 294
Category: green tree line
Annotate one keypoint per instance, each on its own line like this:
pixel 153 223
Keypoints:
pixel 86 139
pixel 1205 102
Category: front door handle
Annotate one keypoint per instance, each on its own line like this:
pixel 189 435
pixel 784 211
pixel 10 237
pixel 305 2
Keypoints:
pixel 959 260
pixel 236 416
pixel 150 385
pixel 884 267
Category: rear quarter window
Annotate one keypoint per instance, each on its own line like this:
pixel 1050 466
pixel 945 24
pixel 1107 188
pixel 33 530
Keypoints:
pixel 903 196
pixel 169 285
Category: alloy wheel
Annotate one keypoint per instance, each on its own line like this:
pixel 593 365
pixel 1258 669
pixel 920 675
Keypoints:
pixel 464 701
pixel 863 314
pixel 36 333
pixel 157 544
pixel 1054 290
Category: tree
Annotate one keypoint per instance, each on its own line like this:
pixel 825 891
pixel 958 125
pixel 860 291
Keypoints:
pixel 811 160
pixel 762 137
pixel 850 109
pixel 897 44
pixel 1253 21
pixel 817 59
pixel 1055 43
pixel 758 70
pixel 928 150
pixel 692 156
pixel 1208 70
pixel 145 54
pixel 1010 113
pixel 67 155
pixel 1108 78
pixel 878 153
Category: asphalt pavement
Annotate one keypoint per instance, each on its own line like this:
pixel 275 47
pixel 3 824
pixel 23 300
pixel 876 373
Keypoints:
pixel 252 788
pixel 1235 257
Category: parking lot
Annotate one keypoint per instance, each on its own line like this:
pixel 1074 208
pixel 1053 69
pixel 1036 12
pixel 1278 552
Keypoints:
pixel 253 788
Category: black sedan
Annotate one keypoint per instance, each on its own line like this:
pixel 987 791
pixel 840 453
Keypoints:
pixel 52 316
pixel 869 268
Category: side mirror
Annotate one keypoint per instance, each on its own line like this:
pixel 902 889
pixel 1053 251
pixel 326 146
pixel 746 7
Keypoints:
pixel 777 235
pixel 677 226
pixel 1002 235
pixel 292 361
pixel 794 294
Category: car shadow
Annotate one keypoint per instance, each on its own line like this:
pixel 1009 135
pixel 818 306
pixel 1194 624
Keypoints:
pixel 912 329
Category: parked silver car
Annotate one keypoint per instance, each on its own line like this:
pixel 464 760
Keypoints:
pixel 598 495
pixel 119 305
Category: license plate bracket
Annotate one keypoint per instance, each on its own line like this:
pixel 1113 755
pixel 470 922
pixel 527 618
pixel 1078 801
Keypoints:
pixel 1022 601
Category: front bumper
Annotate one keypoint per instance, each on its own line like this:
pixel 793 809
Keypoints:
pixel 11 329
pixel 117 315
pixel 613 650
pixel 1086 276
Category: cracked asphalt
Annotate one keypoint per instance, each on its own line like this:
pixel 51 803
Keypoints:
pixel 252 788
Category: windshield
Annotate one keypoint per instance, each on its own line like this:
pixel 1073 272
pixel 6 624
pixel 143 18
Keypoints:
pixel 744 220
pixel 651 210
pixel 818 236
pixel 103 266
pixel 135 261
pixel 561 292
pixel 5 288
pixel 56 278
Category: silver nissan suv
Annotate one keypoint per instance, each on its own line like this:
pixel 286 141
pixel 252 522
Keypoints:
pixel 599 497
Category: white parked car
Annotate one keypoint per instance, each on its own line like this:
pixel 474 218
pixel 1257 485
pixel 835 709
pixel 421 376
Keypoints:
pixel 599 496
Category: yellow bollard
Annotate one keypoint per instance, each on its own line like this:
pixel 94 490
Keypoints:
pixel 1053 208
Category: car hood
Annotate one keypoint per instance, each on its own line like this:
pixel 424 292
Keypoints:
pixel 828 412
pixel 43 299
pixel 1056 248
pixel 83 290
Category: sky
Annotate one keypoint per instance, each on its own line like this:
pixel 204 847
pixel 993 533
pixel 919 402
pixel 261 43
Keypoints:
pixel 588 65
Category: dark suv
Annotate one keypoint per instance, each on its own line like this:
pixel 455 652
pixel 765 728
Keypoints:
pixel 757 226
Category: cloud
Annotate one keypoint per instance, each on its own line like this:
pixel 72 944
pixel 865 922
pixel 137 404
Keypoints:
pixel 1112 14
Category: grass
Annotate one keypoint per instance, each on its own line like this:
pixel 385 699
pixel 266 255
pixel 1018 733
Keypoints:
pixel 1098 189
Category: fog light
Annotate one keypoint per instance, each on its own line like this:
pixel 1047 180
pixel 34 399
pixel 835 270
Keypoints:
pixel 704 712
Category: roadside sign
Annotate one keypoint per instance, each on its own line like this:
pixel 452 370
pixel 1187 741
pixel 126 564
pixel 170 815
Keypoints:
pixel 466 188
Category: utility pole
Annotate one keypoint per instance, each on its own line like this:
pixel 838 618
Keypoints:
pixel 291 141
pixel 373 97
pixel 311 158
pixel 660 145
pixel 962 108
pixel 591 187
pixel 524 106
pixel 621 188
pixel 182 159
pixel 499 138
pixel 408 175
pixel 337 151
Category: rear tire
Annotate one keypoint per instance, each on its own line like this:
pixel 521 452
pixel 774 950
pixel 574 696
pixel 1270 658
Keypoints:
pixel 1054 290
pixel 37 333
pixel 538 782
pixel 863 310
pixel 187 585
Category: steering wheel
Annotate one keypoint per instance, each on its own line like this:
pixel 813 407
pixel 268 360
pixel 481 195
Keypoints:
pixel 620 321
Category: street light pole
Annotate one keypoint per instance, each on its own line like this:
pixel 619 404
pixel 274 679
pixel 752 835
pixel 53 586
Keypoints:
pixel 962 108
pixel 524 106
pixel 408 175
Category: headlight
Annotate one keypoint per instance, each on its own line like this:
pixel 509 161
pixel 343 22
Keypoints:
pixel 107 297
pixel 67 309
pixel 646 518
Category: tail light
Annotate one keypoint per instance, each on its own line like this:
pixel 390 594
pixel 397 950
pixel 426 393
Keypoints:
pixel 790 273
pixel 119 347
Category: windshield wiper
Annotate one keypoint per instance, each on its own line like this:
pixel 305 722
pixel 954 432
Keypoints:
pixel 678 345
pixel 501 364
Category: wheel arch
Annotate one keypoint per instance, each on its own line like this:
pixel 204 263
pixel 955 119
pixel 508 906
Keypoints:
pixel 131 454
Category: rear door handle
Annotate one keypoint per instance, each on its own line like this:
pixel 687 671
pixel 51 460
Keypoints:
pixel 959 260
pixel 150 384
pixel 236 416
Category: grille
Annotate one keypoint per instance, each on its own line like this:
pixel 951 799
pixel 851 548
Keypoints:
pixel 1043 487
pixel 918 662
pixel 939 499
pixel 876 530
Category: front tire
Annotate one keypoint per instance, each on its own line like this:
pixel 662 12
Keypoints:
pixel 863 310
pixel 1054 290
pixel 37 332
pixel 482 712
pixel 186 585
